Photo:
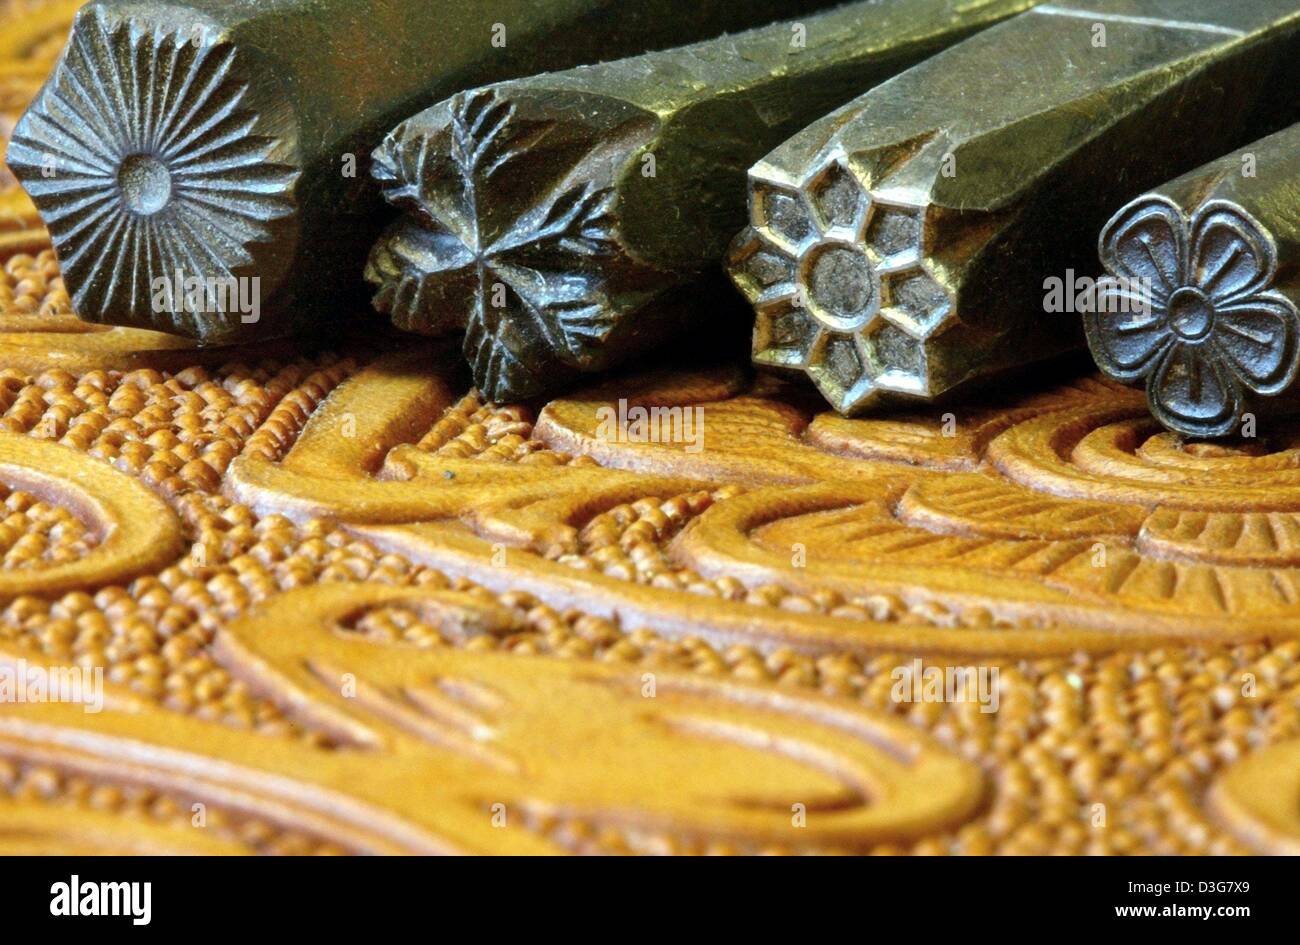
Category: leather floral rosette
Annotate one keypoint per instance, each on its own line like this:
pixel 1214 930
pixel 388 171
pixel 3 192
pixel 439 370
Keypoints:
pixel 1188 306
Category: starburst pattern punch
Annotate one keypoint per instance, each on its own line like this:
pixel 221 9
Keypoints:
pixel 146 163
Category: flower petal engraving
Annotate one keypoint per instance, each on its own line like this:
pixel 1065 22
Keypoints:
pixel 1258 337
pixel 1232 257
pixel 1192 393
pixel 427 279
pixel 1126 345
pixel 839 199
pixel 501 344
pixel 786 218
pixel 1146 242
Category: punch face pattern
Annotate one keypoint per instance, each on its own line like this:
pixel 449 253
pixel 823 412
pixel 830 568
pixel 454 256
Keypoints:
pixel 1214 336
pixel 145 161
pixel 838 280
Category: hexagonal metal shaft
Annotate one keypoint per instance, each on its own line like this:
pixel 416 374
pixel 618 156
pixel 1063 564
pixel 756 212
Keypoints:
pixel 549 216
pixel 899 247
pixel 1204 282
pixel 196 162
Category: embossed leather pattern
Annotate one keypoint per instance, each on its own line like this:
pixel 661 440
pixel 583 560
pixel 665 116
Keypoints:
pixel 348 607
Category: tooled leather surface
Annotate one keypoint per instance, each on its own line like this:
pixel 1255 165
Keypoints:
pixel 342 605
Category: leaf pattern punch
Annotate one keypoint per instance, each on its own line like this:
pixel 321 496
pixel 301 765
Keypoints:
pixel 517 276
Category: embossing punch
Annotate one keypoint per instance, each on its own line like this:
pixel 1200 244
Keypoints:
pixel 196 164
pixel 1201 301
pixel 549 218
pixel 898 248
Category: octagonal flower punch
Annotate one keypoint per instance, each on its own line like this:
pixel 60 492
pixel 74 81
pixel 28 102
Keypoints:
pixel 1218 343
pixel 839 285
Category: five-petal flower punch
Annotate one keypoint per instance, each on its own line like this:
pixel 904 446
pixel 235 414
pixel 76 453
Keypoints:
pixel 1211 336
